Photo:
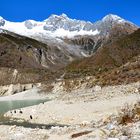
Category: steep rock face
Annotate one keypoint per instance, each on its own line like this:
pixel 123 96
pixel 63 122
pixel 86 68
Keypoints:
pixel 89 44
pixel 17 51
pixel 22 52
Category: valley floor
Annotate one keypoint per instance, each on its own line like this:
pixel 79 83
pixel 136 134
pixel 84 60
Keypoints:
pixel 83 114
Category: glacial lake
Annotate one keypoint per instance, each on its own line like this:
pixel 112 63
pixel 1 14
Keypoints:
pixel 8 105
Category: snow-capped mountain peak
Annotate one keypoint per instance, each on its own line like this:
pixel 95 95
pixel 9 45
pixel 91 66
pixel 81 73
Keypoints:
pixel 54 17
pixel 61 26
pixel 62 16
pixel 113 18
pixel 68 38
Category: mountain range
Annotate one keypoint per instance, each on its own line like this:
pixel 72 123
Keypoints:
pixel 40 47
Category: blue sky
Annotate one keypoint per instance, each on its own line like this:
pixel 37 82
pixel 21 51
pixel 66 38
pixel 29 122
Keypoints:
pixel 89 10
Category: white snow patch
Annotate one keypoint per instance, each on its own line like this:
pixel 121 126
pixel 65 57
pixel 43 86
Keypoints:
pixel 70 34
pixel 20 28
pixel 85 55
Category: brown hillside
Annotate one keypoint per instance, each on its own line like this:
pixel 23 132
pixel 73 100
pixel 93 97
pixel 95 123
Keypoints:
pixel 107 58
pixel 23 55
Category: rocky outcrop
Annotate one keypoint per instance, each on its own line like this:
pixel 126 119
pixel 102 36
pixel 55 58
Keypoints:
pixel 2 21
pixel 13 89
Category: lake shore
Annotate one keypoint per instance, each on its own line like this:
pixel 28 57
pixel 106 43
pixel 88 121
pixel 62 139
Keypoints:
pixel 31 94
pixel 78 111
